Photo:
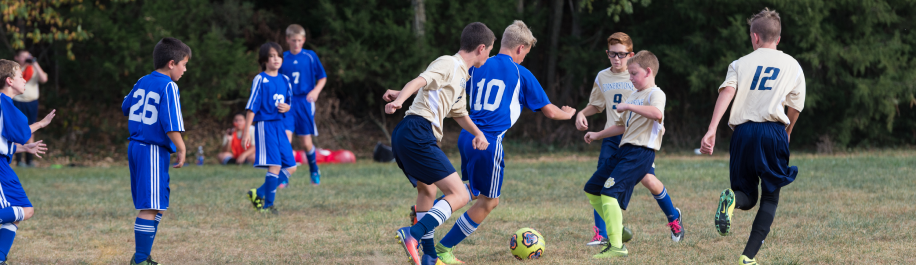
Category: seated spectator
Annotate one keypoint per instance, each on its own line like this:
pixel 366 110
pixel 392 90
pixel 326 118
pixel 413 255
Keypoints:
pixel 232 151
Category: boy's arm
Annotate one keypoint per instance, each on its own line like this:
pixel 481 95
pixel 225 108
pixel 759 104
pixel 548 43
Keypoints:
pixel 793 117
pixel 614 130
pixel 480 141
pixel 43 122
pixel 246 135
pixel 553 112
pixel 37 148
pixel 650 112
pixel 725 98
pixel 409 89
pixel 180 151
pixel 581 121
pixel 313 96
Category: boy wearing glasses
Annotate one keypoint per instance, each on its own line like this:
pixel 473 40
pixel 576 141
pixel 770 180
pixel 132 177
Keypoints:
pixel 612 86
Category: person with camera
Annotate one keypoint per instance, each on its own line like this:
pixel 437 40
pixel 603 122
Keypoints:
pixel 28 101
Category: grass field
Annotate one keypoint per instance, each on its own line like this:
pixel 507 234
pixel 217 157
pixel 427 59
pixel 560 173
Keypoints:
pixel 856 209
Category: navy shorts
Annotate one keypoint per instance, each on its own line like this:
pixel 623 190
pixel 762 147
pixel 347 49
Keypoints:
pixel 11 192
pixel 417 153
pixel 271 145
pixel 609 147
pixel 149 175
pixel 482 168
pixel 303 114
pixel 621 173
pixel 30 109
pixel 759 155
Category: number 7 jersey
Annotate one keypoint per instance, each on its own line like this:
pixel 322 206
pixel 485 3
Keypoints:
pixel 497 92
pixel 765 81
pixel 153 109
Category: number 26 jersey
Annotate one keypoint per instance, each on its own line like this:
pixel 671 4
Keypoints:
pixel 153 109
pixel 266 93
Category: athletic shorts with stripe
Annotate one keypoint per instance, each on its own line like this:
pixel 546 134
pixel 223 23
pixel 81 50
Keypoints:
pixel 11 192
pixel 149 175
pixel 303 113
pixel 483 169
pixel 272 148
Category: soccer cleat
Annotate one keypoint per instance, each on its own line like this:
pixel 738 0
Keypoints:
pixel 446 256
pixel 316 178
pixel 283 184
pixel 270 210
pixel 610 251
pixel 597 239
pixel 429 260
pixel 410 244
pixel 627 235
pixel 256 201
pixel 413 215
pixel 724 212
pixel 744 260
pixel 148 261
pixel 677 228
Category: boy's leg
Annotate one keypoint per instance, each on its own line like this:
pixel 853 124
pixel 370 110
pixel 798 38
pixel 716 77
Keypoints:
pixel 311 157
pixel 762 222
pixel 426 195
pixel 613 216
pixel 11 216
pixel 609 147
pixel 145 228
pixel 269 188
pixel 660 193
pixel 7 235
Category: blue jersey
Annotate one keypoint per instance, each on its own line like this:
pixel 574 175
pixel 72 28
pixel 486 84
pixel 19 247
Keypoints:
pixel 304 70
pixel 266 93
pixel 14 128
pixel 153 109
pixel 497 92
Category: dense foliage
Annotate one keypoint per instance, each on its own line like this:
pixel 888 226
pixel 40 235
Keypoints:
pixel 857 57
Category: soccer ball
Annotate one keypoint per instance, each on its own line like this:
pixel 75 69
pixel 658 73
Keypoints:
pixel 527 243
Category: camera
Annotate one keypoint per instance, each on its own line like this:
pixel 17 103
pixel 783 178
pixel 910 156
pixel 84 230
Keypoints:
pixel 29 60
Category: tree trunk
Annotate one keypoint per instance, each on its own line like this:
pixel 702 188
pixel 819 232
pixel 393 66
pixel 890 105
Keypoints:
pixel 570 78
pixel 419 20
pixel 554 45
pixel 520 7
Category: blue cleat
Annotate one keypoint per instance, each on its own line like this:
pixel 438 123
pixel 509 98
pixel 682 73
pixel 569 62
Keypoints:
pixel 410 244
pixel 316 178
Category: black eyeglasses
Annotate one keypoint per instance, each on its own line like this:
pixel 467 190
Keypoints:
pixel 620 55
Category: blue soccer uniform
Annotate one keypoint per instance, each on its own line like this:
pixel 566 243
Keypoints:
pixel 14 128
pixel 272 147
pixel 304 70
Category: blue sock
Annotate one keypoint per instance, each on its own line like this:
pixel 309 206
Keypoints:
pixel 7 234
pixel 158 218
pixel 602 227
pixel 144 234
pixel 313 163
pixel 462 229
pixel 440 212
pixel 284 177
pixel 11 214
pixel 270 189
pixel 664 202
pixel 428 241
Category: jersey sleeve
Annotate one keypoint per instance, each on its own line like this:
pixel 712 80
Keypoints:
pixel 254 100
pixel 796 98
pixel 15 124
pixel 318 68
pixel 125 105
pixel 460 109
pixel 658 99
pixel 532 95
pixel 170 109
pixel 596 98
pixel 437 73
pixel 731 77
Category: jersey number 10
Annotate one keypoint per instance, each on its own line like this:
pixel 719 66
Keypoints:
pixel 140 115
pixel 500 89
pixel 763 81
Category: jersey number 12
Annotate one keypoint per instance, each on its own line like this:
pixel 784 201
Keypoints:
pixel 140 115
pixel 763 81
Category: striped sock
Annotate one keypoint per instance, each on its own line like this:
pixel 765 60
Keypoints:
pixel 144 234
pixel 11 214
pixel 270 189
pixel 7 235
pixel 313 162
pixel 428 241
pixel 440 212
pixel 284 178
pixel 664 202
pixel 462 229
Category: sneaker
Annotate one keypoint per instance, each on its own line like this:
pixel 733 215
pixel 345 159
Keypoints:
pixel 256 201
pixel 316 178
pixel 271 210
pixel 724 212
pixel 627 235
pixel 744 260
pixel 148 261
pixel 446 256
pixel 410 244
pixel 429 260
pixel 597 239
pixel 677 229
pixel 284 182
pixel 610 251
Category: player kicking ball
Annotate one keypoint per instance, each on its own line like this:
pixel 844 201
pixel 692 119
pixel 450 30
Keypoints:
pixel 762 83
pixel 415 139
pixel 640 123
pixel 498 91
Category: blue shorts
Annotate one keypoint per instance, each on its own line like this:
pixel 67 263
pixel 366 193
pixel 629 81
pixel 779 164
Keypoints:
pixel 417 153
pixel 303 114
pixel 30 109
pixel 11 192
pixel 609 147
pixel 621 173
pixel 289 123
pixel 271 145
pixel 149 175
pixel 482 168
pixel 760 151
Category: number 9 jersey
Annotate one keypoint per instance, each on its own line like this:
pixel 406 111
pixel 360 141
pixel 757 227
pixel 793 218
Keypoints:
pixel 153 109
pixel 497 92
pixel 609 90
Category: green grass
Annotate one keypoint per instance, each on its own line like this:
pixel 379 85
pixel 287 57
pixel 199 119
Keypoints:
pixel 841 210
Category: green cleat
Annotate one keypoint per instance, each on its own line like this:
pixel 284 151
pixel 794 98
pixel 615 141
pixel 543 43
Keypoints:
pixel 271 210
pixel 724 212
pixel 148 261
pixel 256 201
pixel 610 251
pixel 446 256
pixel 747 261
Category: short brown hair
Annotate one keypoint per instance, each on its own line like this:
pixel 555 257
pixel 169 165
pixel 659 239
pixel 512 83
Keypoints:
pixel 474 35
pixel 517 34
pixel 8 70
pixel 645 59
pixel 295 29
pixel 169 49
pixel 766 24
pixel 264 53
pixel 620 38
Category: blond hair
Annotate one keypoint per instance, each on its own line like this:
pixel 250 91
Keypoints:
pixel 766 24
pixel 8 69
pixel 517 34
pixel 645 59
pixel 620 38
pixel 295 29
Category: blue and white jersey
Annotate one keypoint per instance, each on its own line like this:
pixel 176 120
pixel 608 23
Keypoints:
pixel 304 70
pixel 498 90
pixel 14 127
pixel 266 93
pixel 153 109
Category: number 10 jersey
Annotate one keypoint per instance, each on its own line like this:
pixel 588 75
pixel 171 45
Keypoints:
pixel 497 92
pixel 153 109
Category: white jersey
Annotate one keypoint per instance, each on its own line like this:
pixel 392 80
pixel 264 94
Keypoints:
pixel 609 90
pixel 444 95
pixel 642 131
pixel 765 81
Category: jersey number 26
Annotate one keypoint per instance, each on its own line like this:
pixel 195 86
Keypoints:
pixel 148 114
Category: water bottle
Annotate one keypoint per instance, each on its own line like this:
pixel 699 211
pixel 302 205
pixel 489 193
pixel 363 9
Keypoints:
pixel 200 155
